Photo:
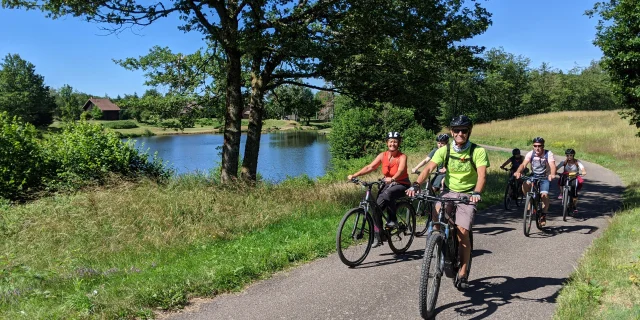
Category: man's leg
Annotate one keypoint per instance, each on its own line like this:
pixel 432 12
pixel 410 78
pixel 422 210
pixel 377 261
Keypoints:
pixel 544 194
pixel 464 248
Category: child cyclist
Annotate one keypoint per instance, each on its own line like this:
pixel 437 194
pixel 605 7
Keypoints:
pixel 569 165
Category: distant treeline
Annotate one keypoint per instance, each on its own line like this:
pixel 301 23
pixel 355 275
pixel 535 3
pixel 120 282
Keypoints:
pixel 505 86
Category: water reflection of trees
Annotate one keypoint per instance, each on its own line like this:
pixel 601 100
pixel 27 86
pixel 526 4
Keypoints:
pixel 295 139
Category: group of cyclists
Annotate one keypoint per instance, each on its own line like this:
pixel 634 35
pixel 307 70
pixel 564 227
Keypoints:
pixel 461 167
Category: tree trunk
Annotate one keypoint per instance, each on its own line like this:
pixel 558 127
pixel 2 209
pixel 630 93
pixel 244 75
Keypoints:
pixel 232 119
pixel 256 113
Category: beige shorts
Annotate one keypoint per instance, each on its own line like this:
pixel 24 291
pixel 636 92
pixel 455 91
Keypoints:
pixel 464 212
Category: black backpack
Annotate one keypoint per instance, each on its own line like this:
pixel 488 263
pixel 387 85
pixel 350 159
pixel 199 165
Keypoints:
pixel 471 150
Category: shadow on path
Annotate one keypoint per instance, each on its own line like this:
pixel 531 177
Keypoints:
pixel 489 293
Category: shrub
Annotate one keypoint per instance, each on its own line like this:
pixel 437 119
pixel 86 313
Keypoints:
pixel 171 123
pixel 85 153
pixel 22 165
pixel 415 136
pixel 206 122
pixel 359 131
pixel 120 124
pixel 354 133
pixel 96 113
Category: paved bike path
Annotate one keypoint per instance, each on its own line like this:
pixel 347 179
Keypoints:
pixel 513 277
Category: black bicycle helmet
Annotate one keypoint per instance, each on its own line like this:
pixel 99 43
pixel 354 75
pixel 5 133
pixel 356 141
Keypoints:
pixel 515 152
pixel 461 121
pixel 442 137
pixel 538 140
pixel 393 135
pixel 570 151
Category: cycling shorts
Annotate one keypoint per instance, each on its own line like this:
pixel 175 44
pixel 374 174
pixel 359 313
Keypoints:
pixel 544 185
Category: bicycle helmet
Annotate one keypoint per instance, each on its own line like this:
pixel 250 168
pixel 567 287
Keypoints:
pixel 515 152
pixel 538 140
pixel 442 137
pixel 393 135
pixel 570 151
pixel 461 121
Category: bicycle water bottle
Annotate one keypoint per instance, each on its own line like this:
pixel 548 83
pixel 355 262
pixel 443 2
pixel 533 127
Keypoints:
pixel 430 228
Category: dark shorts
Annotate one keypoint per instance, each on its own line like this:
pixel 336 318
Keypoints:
pixel 436 183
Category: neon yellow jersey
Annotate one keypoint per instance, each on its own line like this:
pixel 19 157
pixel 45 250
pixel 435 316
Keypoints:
pixel 460 176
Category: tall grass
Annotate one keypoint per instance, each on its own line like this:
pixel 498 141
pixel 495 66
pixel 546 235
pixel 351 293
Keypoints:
pixel 126 251
pixel 606 284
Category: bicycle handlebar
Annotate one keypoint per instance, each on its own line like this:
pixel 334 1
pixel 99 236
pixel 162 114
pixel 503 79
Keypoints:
pixel 366 184
pixel 424 196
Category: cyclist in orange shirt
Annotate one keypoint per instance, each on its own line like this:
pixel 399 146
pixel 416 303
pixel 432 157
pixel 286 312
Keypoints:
pixel 396 181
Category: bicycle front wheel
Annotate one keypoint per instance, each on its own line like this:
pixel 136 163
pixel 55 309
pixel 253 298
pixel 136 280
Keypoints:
pixel 430 275
pixel 354 237
pixel 565 203
pixel 538 213
pixel 400 238
pixel 528 213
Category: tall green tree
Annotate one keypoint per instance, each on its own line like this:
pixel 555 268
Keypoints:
pixel 23 92
pixel 618 35
pixel 69 103
pixel 374 49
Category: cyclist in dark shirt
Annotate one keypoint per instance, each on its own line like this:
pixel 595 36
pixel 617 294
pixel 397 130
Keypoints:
pixel 436 183
pixel 515 161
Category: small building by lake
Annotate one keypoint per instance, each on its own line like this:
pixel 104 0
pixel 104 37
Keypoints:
pixel 110 111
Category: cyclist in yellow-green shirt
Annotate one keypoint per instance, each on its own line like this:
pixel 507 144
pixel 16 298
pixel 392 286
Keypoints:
pixel 466 175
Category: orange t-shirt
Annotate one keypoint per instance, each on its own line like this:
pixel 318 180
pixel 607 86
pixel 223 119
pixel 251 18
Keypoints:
pixel 389 169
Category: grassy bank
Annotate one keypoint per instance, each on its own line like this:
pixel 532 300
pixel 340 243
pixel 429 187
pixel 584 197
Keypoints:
pixel 145 129
pixel 131 250
pixel 606 284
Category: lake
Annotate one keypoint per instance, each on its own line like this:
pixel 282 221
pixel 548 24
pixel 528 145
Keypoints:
pixel 282 154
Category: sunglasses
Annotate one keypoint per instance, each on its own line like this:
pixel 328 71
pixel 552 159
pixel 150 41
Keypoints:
pixel 463 131
pixel 538 145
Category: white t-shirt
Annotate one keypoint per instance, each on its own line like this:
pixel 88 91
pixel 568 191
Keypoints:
pixel 571 167
pixel 539 165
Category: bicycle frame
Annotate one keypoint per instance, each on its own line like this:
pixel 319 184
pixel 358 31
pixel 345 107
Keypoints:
pixel 447 224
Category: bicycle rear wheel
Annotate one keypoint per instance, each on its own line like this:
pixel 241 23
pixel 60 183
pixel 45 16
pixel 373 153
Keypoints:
pixel 430 275
pixel 528 213
pixel 400 238
pixel 354 237
pixel 565 203
pixel 423 217
pixel 519 194
pixel 508 197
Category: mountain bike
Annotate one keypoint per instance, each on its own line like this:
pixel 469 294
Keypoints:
pixel 441 254
pixel 355 232
pixel 533 206
pixel 513 192
pixel 569 193
pixel 423 207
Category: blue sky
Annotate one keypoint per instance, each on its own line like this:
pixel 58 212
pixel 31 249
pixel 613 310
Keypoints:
pixel 73 51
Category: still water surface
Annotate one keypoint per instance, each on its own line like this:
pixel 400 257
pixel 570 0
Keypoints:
pixel 282 154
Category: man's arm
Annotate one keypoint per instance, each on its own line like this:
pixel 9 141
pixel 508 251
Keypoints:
pixel 552 166
pixel 482 179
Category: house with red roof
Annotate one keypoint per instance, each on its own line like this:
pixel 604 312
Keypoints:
pixel 110 111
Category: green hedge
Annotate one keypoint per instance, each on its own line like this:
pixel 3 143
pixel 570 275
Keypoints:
pixel 120 124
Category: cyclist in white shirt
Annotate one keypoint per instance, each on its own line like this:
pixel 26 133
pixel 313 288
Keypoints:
pixel 543 167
